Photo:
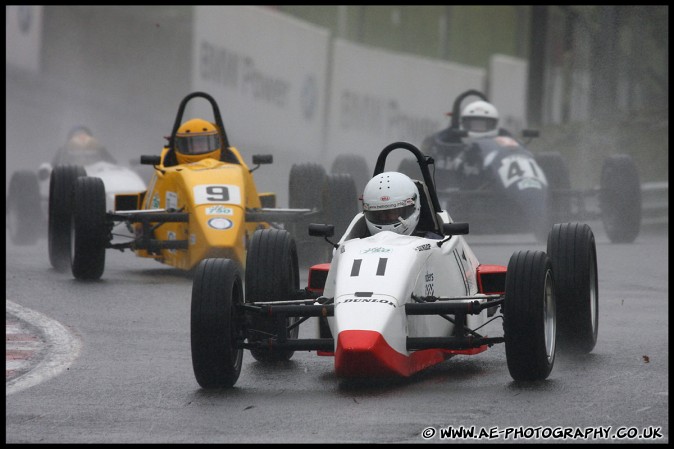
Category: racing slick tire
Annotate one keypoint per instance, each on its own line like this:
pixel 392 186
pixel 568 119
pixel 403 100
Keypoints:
pixel 557 174
pixel 572 251
pixel 24 208
pixel 304 192
pixel 59 233
pixel 340 204
pixel 216 329
pixel 354 164
pixel 620 198
pixel 90 230
pixel 272 274
pixel 529 316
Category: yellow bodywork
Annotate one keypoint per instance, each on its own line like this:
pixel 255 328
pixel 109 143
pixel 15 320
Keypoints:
pixel 216 195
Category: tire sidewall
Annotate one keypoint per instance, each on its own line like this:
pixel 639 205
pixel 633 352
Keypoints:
pixel 572 251
pixel 528 275
pixel 215 324
pixel 59 233
pixel 89 224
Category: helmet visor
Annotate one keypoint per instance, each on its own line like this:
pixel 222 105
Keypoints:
pixel 478 124
pixel 389 216
pixel 197 144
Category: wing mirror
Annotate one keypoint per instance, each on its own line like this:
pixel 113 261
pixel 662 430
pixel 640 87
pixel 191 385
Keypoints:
pixel 455 228
pixel 321 230
pixel 260 159
pixel 150 160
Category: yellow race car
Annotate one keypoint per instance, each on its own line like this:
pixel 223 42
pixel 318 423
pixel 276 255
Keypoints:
pixel 201 202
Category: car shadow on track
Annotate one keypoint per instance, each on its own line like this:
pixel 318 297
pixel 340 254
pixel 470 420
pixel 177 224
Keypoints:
pixel 448 371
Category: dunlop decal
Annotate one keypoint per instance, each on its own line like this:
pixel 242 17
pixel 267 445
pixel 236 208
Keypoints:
pixel 369 300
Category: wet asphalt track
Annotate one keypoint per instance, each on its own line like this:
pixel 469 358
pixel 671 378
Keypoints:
pixel 111 363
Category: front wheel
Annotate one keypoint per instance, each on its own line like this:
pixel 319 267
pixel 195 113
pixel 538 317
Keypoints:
pixel 90 229
pixel 529 317
pixel 59 232
pixel 216 332
pixel 572 251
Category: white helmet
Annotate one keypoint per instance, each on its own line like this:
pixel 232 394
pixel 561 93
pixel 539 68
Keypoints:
pixel 480 119
pixel 391 203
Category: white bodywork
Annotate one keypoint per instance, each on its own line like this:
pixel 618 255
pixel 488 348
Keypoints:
pixel 372 278
pixel 116 178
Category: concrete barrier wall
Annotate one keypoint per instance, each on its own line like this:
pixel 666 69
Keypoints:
pixel 284 86
pixel 270 85
pixel 378 97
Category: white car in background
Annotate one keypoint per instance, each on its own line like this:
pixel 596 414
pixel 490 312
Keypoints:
pixel 27 211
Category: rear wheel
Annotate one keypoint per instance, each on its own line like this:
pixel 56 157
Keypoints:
pixel 355 165
pixel 572 250
pixel 620 198
pixel 529 317
pixel 216 332
pixel 410 167
pixel 60 214
pixel 557 174
pixel 90 228
pixel 339 204
pixel 306 181
pixel 24 208
pixel 272 274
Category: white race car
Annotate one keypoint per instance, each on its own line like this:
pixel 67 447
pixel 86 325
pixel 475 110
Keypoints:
pixel 28 206
pixel 391 304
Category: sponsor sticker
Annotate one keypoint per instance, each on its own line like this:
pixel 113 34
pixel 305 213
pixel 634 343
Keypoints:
pixel 400 203
pixel 368 300
pixel 171 236
pixel 171 200
pixel 375 250
pixel 219 210
pixel 220 223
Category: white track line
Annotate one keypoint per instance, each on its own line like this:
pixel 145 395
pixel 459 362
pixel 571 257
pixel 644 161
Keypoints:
pixel 62 348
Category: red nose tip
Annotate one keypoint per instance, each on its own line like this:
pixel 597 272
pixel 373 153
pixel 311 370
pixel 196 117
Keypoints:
pixel 366 354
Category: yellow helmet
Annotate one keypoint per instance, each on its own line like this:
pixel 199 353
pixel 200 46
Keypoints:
pixel 197 139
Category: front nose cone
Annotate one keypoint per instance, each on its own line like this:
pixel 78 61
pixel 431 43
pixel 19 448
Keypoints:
pixel 362 353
